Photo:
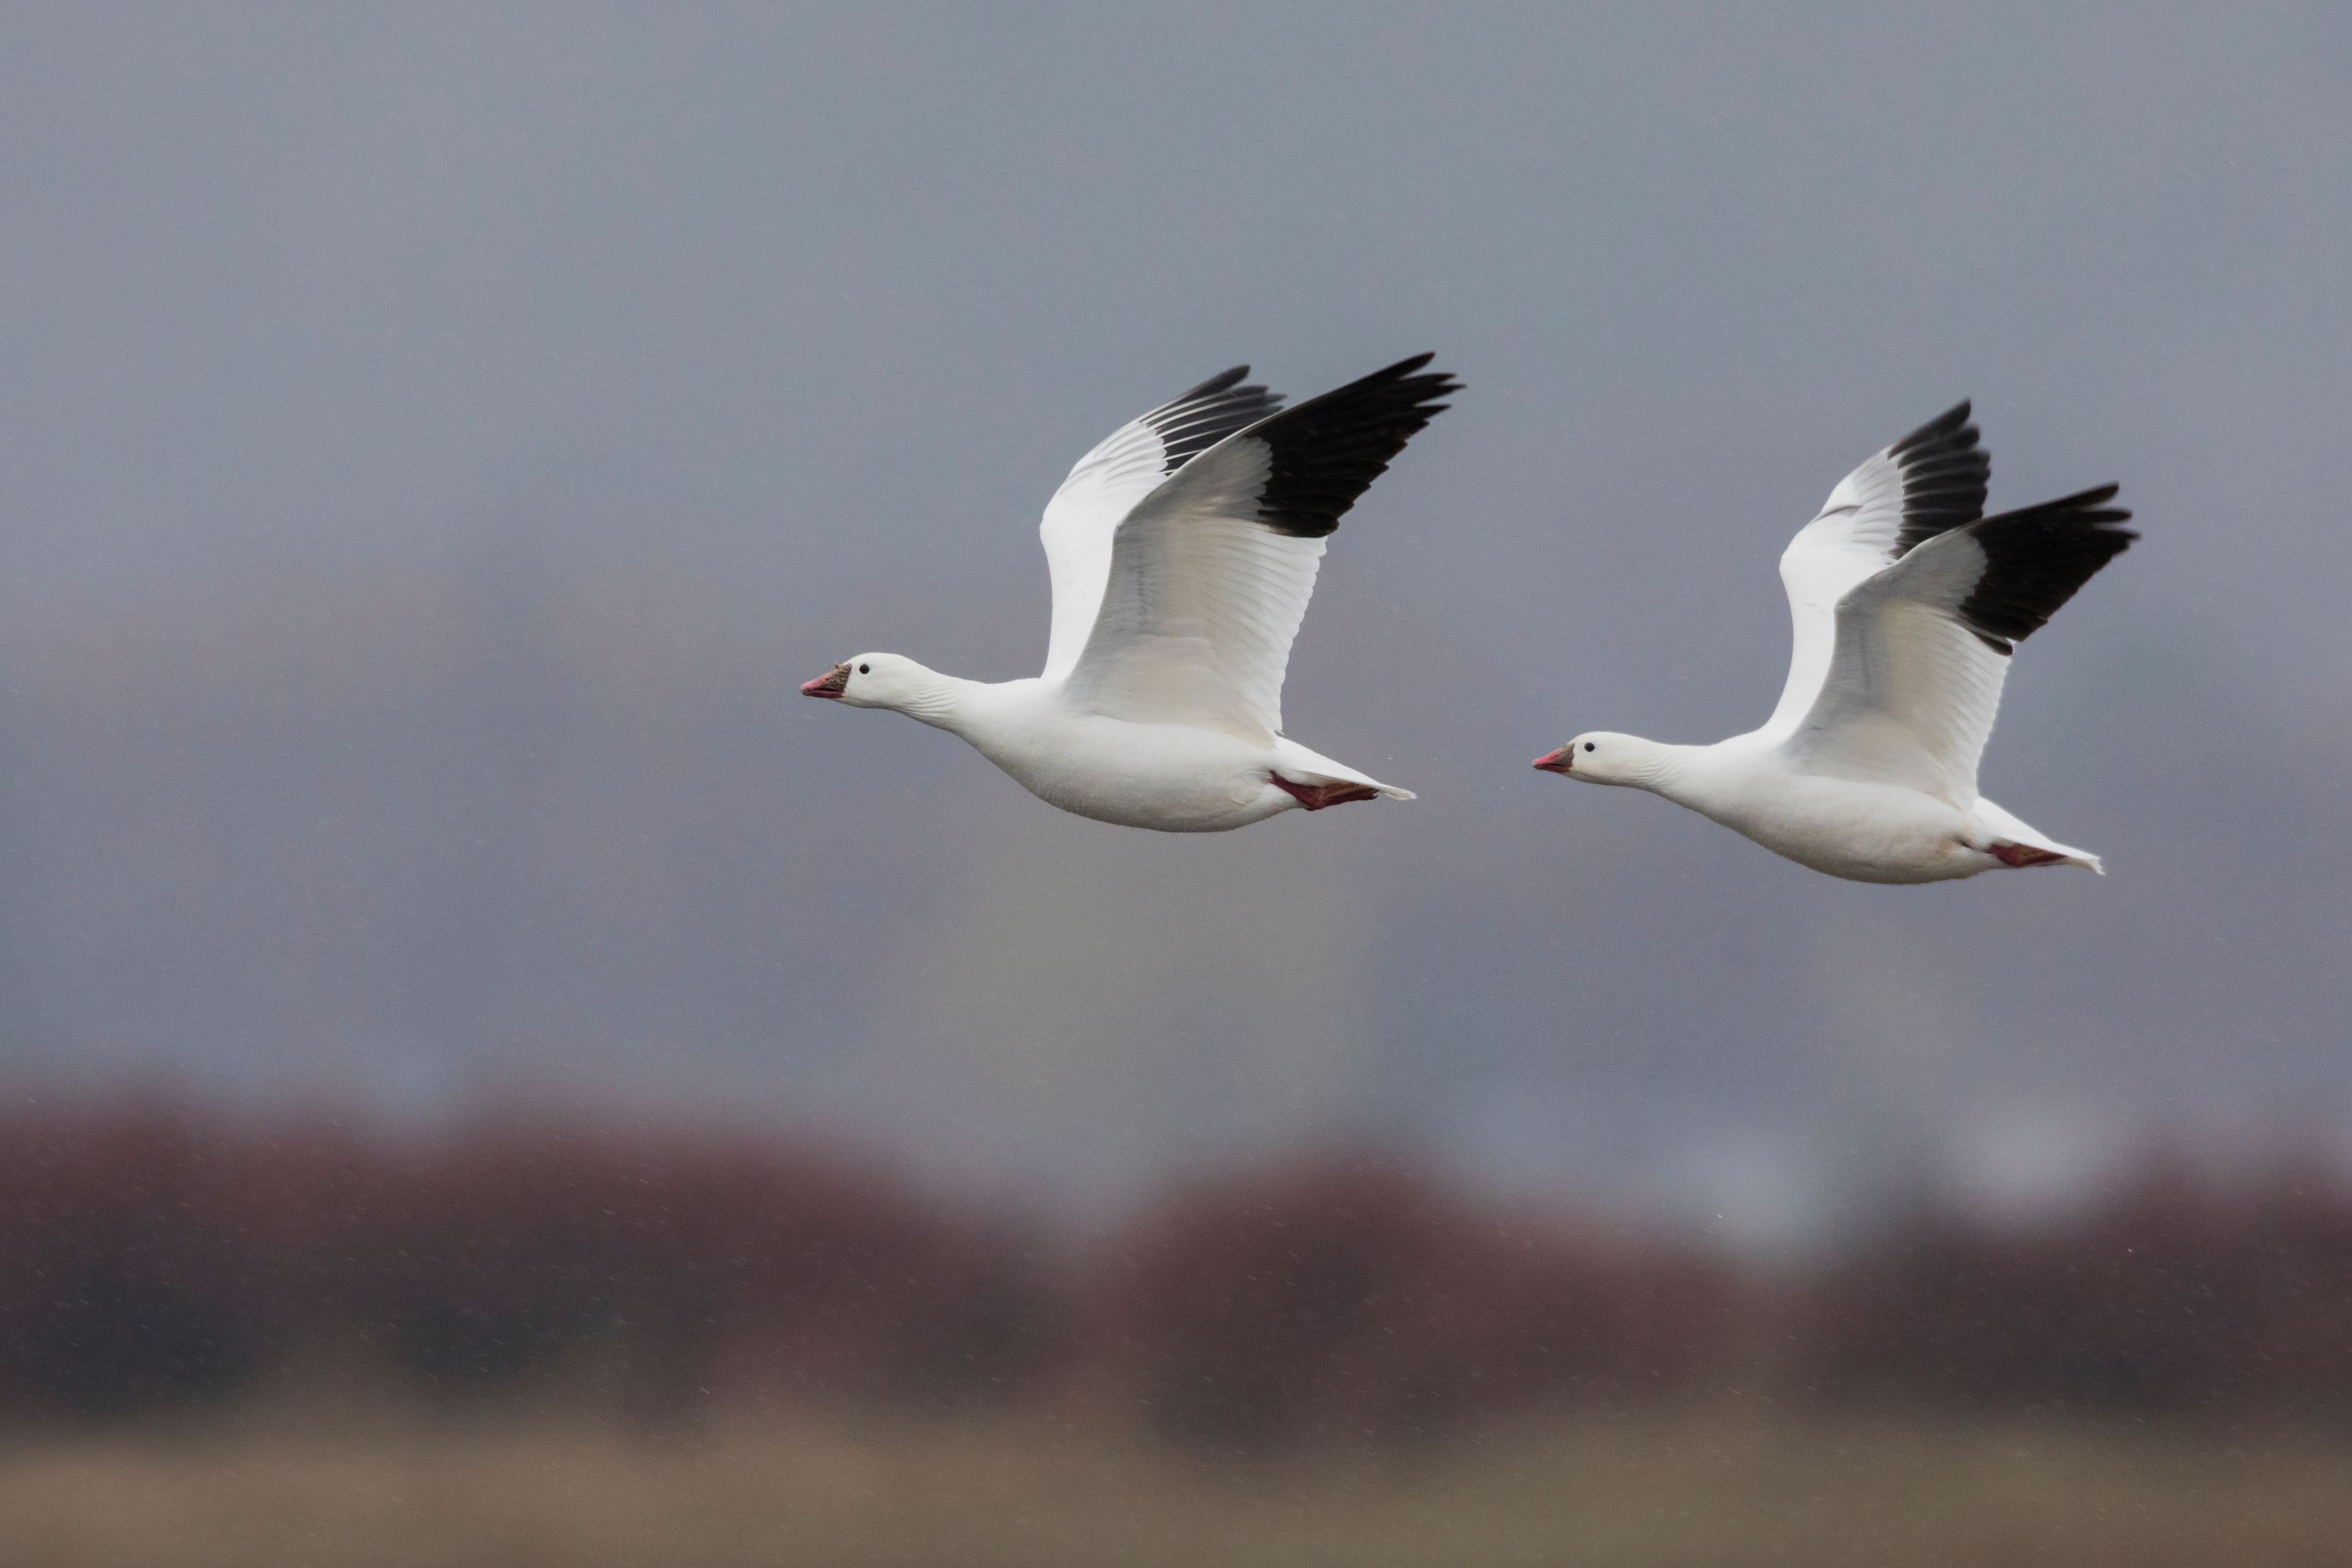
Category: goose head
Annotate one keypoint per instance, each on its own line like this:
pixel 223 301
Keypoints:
pixel 876 680
pixel 1603 756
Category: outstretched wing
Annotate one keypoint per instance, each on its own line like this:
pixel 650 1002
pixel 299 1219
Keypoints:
pixel 1210 575
pixel 1923 647
pixel 1926 484
pixel 1129 464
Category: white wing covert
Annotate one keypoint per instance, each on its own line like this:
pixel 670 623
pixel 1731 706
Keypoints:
pixel 1922 648
pixel 1127 466
pixel 1926 484
pixel 1210 574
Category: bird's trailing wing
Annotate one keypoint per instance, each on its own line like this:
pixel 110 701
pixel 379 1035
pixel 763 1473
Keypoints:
pixel 1928 483
pixel 1129 464
pixel 1923 647
pixel 1210 574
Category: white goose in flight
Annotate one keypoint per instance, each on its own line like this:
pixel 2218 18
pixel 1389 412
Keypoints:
pixel 1908 604
pixel 1183 551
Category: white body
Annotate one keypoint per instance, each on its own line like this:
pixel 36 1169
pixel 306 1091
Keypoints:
pixel 1174 778
pixel 1183 552
pixel 1860 831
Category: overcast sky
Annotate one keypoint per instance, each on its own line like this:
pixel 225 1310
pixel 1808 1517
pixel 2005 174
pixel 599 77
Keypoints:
pixel 433 445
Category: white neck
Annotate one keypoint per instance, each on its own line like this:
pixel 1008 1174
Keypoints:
pixel 942 701
pixel 1667 769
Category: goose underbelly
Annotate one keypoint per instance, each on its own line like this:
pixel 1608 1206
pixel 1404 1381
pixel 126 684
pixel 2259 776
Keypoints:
pixel 1165 777
pixel 1862 832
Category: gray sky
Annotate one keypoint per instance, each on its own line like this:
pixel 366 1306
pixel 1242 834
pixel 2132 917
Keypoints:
pixel 432 449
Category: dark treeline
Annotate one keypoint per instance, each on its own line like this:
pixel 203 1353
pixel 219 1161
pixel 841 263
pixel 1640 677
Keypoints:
pixel 153 1260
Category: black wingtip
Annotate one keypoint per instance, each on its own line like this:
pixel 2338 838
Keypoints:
pixel 1945 475
pixel 1326 451
pixel 1215 383
pixel 1950 422
pixel 2085 501
pixel 1193 421
pixel 1437 383
pixel 1444 382
pixel 2039 557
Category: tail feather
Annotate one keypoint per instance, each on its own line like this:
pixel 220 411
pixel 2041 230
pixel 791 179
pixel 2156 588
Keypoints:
pixel 2010 853
pixel 2014 844
pixel 1313 768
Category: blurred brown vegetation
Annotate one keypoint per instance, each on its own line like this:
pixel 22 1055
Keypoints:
pixel 148 1260
pixel 1344 1297
pixel 154 1259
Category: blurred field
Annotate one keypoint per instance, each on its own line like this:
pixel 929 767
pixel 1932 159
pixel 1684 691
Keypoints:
pixel 1685 1490
pixel 536 1343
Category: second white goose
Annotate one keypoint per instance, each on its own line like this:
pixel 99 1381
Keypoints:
pixel 1908 603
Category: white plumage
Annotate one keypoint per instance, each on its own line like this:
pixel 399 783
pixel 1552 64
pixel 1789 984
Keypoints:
pixel 1905 607
pixel 1183 551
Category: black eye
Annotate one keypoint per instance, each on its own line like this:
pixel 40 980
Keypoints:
pixel 868 670
pixel 1588 745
